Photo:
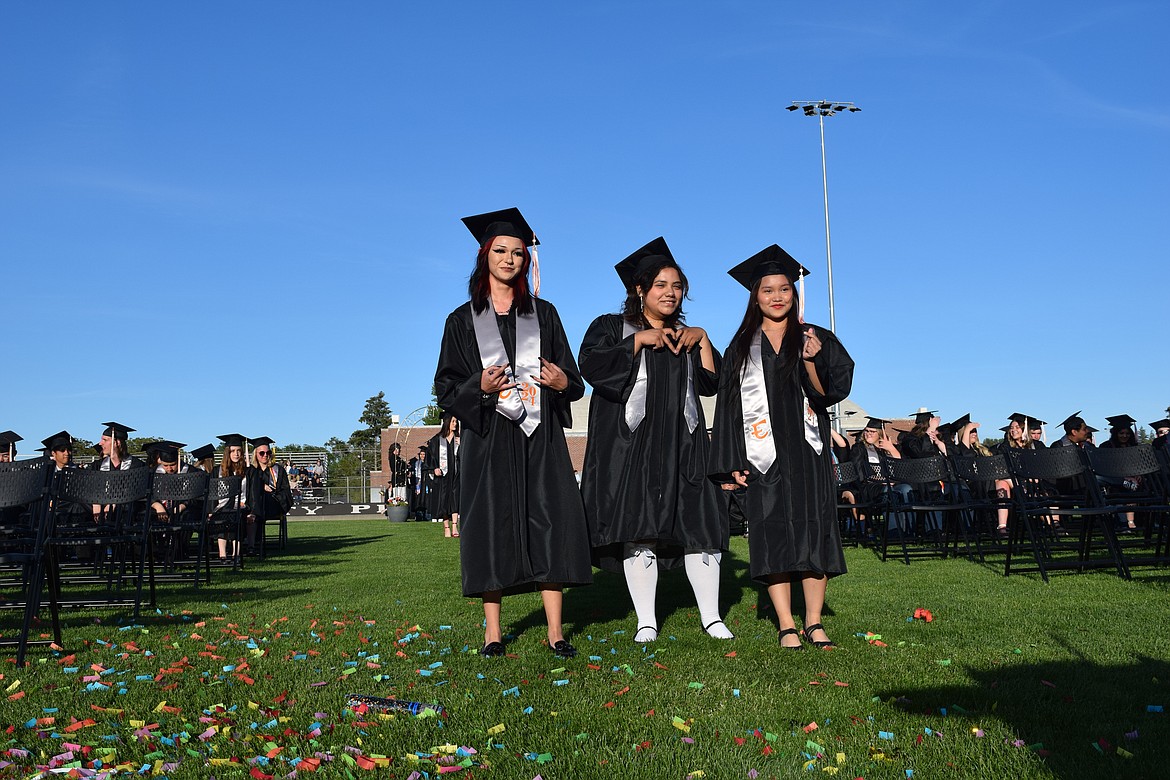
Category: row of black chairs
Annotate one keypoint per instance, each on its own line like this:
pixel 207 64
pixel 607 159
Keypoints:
pixel 1066 507
pixel 55 548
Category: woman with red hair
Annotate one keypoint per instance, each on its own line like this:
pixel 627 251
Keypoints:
pixel 506 371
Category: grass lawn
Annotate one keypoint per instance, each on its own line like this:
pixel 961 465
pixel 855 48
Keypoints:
pixel 247 677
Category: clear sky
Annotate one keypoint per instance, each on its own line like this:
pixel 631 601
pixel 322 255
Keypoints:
pixel 245 216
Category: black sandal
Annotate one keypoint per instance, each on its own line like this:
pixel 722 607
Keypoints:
pixel 827 644
pixel 785 632
pixel 563 649
pixel 492 650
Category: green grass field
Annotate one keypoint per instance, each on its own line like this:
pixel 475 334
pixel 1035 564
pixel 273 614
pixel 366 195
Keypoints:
pixel 247 677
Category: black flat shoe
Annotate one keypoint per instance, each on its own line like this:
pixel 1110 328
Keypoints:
pixel 492 650
pixel 563 649
pixel 807 636
pixel 785 632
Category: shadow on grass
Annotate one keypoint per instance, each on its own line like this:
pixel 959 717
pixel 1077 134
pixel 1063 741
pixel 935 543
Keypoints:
pixel 1075 714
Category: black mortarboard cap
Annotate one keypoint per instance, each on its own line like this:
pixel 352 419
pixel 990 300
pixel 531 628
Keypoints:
pixel 1091 429
pixel 508 222
pixel 631 268
pixel 9 437
pixel 206 451
pixel 232 439
pixel 1034 424
pixel 1006 428
pixel 962 422
pixel 875 423
pixel 58 441
pixel 117 430
pixel 768 261
pixel 1120 421
pixel 158 445
pixel 947 430
pixel 1019 417
pixel 166 453
pixel 1160 424
pixel 260 441
pixel 1073 421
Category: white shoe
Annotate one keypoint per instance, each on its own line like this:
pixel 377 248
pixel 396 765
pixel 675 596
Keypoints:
pixel 646 634
pixel 718 630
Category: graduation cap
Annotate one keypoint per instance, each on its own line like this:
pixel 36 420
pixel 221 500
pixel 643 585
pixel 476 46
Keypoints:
pixel 633 266
pixel 167 451
pixel 1006 428
pixel 961 423
pixel 1034 424
pixel 923 415
pixel 1091 429
pixel 260 441
pixel 58 441
pixel 507 222
pixel 875 423
pixel 232 439
pixel 947 431
pixel 768 261
pixel 97 449
pixel 1120 421
pixel 1160 424
pixel 1073 421
pixel 117 430
pixel 204 452
pixel 8 440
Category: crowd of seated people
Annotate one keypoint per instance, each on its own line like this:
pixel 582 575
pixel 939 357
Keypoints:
pixel 265 492
pixel 878 443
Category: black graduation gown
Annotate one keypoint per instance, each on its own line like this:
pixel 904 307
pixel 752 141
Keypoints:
pixel 522 521
pixel 398 472
pixel 792 508
pixel 442 501
pixel 417 489
pixel 262 503
pixel 870 486
pixel 649 484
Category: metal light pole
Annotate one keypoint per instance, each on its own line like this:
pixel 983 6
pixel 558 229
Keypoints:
pixel 821 109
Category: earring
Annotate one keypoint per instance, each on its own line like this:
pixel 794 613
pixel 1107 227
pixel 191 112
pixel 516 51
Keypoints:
pixel 641 302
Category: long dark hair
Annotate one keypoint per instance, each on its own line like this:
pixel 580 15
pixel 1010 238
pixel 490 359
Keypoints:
pixel 741 342
pixel 479 285
pixel 632 308
pixel 449 421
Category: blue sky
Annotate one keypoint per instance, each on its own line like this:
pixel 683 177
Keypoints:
pixel 245 216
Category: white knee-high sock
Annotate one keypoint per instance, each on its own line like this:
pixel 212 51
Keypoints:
pixel 642 580
pixel 703 572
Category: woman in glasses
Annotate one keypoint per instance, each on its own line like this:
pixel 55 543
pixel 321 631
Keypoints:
pixel 269 493
pixel 507 372
pixel 648 500
pixel 771 438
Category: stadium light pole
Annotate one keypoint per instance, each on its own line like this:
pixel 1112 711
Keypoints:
pixel 821 109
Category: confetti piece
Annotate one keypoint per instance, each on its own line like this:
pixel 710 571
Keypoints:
pixel 811 727
pixel 887 735
pixel 1154 708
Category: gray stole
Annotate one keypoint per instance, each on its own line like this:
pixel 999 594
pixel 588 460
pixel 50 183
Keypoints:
pixel 757 428
pixel 635 410
pixel 443 456
pixel 520 404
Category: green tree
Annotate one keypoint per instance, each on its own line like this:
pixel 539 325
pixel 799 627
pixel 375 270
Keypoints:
pixel 434 414
pixel 375 417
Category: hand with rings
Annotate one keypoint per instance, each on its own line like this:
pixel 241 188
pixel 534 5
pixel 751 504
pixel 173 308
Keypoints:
pixel 494 379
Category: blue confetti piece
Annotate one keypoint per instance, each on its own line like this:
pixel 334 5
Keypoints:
pixel 735 692
pixel 887 735
pixel 527 710
pixel 560 682
pixel 435 665
pixel 1154 708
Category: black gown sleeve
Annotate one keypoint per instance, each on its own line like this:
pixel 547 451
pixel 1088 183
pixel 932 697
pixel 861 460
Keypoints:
pixel 560 353
pixel 834 368
pixel 607 360
pixel 728 452
pixel 457 377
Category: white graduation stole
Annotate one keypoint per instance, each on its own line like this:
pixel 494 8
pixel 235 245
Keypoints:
pixel 443 456
pixel 635 410
pixel 520 404
pixel 757 427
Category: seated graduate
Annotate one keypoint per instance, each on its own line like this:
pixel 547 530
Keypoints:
pixel 648 501
pixel 1036 433
pixel 1016 435
pixel 204 458
pixel 1161 430
pixel 1121 434
pixel 1076 432
pixel 8 440
pixel 269 494
pixel 922 441
pixel 58 448
pixel 115 456
pixel 223 518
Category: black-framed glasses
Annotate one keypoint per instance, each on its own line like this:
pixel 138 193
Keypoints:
pixel 263 453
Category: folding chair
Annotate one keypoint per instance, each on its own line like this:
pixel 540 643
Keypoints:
pixel 979 475
pixel 855 517
pixel 1148 498
pixel 931 504
pixel 224 518
pixel 22 551
pixel 119 536
pixel 183 496
pixel 1056 483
